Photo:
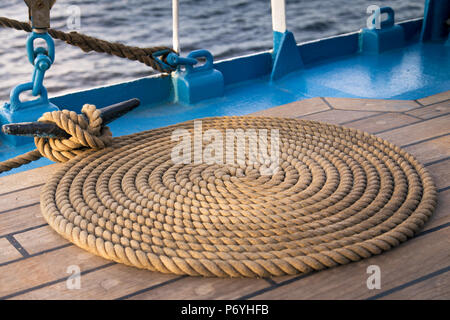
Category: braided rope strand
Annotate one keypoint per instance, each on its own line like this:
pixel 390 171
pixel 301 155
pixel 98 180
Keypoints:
pixel 340 195
pixel 88 43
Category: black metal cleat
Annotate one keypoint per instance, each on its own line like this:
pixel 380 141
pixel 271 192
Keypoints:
pixel 51 130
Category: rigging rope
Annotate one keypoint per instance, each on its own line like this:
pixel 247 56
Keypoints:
pixel 87 43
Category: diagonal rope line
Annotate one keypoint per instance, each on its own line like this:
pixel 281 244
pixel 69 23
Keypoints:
pixel 88 43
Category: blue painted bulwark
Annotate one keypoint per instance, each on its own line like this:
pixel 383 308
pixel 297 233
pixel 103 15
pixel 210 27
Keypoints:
pixel 245 68
pixel 195 84
pixel 286 55
pixel 388 37
pixel 331 48
pixel 434 26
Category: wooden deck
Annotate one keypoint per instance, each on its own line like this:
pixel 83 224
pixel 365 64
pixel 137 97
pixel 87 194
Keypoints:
pixel 34 260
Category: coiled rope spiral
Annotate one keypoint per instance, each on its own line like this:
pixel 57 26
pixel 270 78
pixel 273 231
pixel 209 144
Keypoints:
pixel 340 195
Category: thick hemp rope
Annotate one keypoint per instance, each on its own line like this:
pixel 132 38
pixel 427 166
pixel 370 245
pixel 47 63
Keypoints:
pixel 87 43
pixel 86 132
pixel 340 195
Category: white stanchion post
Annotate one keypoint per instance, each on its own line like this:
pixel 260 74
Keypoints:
pixel 175 26
pixel 278 15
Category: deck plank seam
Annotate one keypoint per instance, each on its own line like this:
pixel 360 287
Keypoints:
pixel 13 241
pixel 155 286
pixel 443 189
pixel 378 113
pixel 277 285
pixel 311 114
pixel 410 283
pixel 436 162
pixel 21 207
pixel 18 293
pixel 368 110
pixel 36 254
pixel 413 123
pixel 270 281
pixel 424 140
pixel 24 230
pixel 432 104
pixel 431 230
pixel 412 116
pixel 430 118
pixel 22 189
pixel 324 111
pixel 327 103
pixel 419 103
pixel 398 127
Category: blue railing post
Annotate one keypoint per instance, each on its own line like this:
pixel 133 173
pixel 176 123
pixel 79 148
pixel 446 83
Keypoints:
pixel 286 55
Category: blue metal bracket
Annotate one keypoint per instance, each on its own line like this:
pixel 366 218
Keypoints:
pixel 195 84
pixel 388 37
pixel 18 111
pixel 286 56
pixel 434 27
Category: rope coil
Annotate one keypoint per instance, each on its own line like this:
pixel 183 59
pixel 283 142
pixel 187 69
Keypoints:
pixel 340 195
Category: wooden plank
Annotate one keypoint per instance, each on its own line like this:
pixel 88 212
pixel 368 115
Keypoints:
pixel 338 116
pixel 431 150
pixel 7 251
pixel 40 239
pixel 441 214
pixel 420 131
pixel 197 288
pixel 294 109
pixel 411 260
pixel 441 173
pixel 432 111
pixel 27 178
pixel 44 268
pixel 436 288
pixel 20 219
pixel 19 199
pixel 435 98
pixel 382 122
pixel 372 104
pixel 107 283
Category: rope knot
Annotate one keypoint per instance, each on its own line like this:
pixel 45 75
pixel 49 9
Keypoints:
pixel 85 132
